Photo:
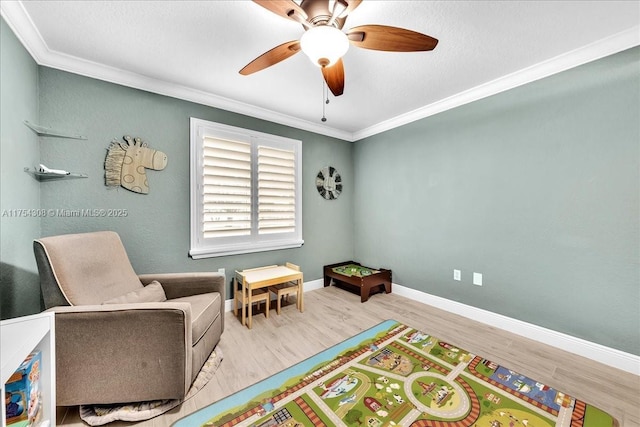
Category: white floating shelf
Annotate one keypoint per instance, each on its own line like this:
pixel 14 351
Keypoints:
pixel 44 176
pixel 45 131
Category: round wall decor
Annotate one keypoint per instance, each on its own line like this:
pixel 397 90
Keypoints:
pixel 329 183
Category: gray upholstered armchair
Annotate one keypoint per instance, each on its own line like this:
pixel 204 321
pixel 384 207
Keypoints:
pixel 121 337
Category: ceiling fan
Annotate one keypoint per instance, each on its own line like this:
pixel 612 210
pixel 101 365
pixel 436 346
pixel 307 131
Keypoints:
pixel 324 41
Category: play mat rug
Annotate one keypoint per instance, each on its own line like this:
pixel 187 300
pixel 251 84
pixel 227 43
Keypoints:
pixel 394 375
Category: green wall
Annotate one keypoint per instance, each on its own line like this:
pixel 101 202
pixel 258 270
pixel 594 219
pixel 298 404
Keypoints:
pixel 19 285
pixel 156 230
pixel 537 188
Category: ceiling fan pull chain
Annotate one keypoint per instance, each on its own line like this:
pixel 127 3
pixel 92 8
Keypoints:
pixel 326 92
pixel 324 87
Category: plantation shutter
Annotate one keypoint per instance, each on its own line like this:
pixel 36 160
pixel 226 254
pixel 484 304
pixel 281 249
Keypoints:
pixel 276 190
pixel 226 188
pixel 245 191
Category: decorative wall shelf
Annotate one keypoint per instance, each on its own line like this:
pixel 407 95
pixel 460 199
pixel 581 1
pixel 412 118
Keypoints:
pixel 44 176
pixel 45 131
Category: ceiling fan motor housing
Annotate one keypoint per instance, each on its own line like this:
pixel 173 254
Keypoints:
pixel 319 14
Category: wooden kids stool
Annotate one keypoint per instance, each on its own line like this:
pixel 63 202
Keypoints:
pixel 283 290
pixel 257 296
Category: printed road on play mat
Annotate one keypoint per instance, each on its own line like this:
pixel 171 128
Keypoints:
pixel 393 375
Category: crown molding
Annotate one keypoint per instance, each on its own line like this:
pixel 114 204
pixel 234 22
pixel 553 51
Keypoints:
pixel 23 27
pixel 25 30
pixel 605 47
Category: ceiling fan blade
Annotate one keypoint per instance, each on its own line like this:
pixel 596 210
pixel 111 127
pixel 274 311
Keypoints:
pixel 334 76
pixel 390 39
pixel 272 57
pixel 285 8
pixel 352 5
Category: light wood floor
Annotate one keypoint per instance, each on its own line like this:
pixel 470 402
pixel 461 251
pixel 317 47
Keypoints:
pixel 333 315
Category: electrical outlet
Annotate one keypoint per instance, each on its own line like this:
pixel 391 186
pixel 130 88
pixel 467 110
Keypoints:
pixel 477 279
pixel 457 275
pixel 221 270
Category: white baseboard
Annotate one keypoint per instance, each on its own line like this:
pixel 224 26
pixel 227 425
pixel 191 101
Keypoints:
pixel 606 355
pixel 600 353
pixel 313 285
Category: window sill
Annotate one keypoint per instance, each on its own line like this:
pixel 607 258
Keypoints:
pixel 200 253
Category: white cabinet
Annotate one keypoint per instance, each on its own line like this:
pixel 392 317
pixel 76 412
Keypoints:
pixel 18 338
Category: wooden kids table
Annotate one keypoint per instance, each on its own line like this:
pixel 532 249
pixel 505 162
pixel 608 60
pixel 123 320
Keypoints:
pixel 262 277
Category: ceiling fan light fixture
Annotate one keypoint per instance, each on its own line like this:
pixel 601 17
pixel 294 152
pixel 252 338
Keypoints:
pixel 324 45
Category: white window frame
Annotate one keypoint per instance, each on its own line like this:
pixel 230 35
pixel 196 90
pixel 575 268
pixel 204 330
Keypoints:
pixel 202 247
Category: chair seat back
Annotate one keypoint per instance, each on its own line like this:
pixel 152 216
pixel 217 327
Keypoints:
pixel 87 268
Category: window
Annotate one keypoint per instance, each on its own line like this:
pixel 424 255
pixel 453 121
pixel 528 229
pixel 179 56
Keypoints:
pixel 245 191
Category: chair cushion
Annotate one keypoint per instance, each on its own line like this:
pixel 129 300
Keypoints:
pixel 153 292
pixel 205 308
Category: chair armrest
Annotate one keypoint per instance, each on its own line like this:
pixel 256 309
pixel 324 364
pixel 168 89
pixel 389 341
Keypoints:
pixel 177 285
pixel 143 352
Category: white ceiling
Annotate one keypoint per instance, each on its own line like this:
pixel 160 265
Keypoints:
pixel 194 49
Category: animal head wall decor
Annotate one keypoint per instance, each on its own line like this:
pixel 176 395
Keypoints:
pixel 126 163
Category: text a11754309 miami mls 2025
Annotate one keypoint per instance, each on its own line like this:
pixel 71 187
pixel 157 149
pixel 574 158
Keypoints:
pixel 65 213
